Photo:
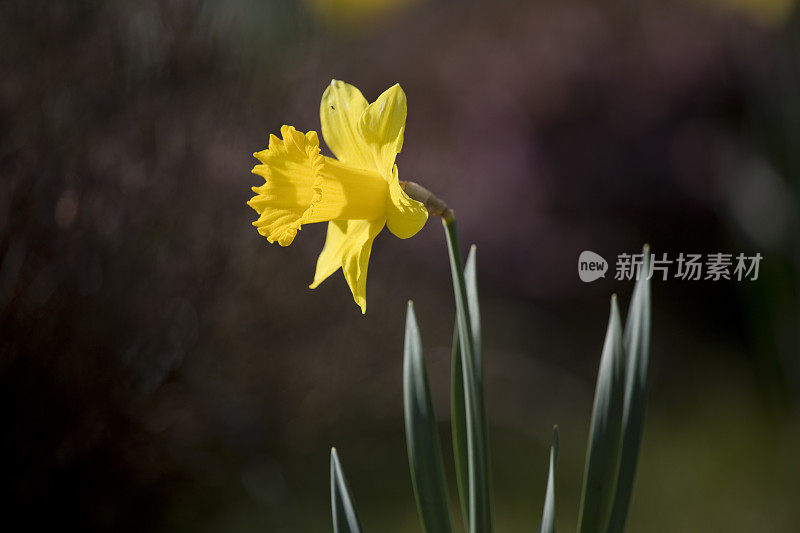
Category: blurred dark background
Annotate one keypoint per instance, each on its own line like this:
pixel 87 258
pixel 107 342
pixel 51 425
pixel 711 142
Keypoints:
pixel 162 368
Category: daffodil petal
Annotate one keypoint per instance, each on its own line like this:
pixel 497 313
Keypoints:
pixel 382 126
pixel 348 245
pixel 330 259
pixel 339 112
pixel 404 216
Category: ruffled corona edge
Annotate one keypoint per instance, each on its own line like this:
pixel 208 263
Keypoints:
pixel 291 168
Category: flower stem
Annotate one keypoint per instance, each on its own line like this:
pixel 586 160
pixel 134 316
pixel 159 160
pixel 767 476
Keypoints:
pixel 478 508
pixel 435 205
pixel 479 505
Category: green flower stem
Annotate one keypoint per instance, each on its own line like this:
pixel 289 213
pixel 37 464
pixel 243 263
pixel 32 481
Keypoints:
pixel 468 392
pixel 458 423
pixel 480 513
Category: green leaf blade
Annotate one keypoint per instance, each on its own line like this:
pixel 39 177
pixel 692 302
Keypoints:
pixel 345 517
pixel 548 524
pixel 600 474
pixel 422 439
pixel 637 348
pixel 473 305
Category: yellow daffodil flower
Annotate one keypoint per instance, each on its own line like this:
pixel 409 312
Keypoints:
pixel 357 193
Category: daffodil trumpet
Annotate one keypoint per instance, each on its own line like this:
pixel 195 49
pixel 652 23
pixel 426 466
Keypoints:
pixel 357 193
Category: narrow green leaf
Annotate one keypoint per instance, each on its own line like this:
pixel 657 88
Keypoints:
pixel 600 474
pixel 422 438
pixel 637 348
pixel 480 513
pixel 459 427
pixel 345 518
pixel 457 386
pixel 473 306
pixel 471 284
pixel 549 511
